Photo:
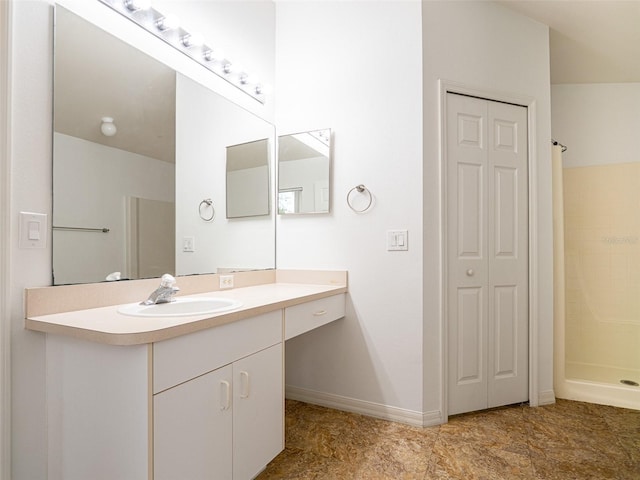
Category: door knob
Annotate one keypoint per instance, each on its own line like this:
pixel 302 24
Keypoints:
pixel 470 272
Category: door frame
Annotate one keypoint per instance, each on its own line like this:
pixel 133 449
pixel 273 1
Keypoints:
pixel 445 87
pixel 5 239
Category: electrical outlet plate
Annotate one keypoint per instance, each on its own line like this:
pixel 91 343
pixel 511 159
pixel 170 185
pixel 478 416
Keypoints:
pixel 226 281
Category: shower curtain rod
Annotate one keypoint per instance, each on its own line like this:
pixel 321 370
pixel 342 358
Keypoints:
pixel 564 147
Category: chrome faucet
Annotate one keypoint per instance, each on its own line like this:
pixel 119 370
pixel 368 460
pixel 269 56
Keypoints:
pixel 164 293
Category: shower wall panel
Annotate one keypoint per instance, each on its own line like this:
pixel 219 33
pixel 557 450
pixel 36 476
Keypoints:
pixel 602 260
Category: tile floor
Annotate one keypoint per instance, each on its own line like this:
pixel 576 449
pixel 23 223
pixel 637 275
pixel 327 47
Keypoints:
pixel 568 440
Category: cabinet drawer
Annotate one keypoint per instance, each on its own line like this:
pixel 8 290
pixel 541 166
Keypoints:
pixel 307 316
pixel 183 358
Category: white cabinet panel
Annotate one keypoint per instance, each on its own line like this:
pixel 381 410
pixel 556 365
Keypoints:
pixel 182 358
pixel 193 429
pixel 258 411
pixel 97 397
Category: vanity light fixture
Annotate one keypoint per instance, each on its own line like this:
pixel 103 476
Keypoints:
pixel 167 27
pixel 108 128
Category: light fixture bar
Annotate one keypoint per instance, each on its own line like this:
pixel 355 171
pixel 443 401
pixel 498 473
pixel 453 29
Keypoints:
pixel 166 27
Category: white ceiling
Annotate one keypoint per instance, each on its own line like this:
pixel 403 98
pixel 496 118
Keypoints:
pixel 97 75
pixel 595 41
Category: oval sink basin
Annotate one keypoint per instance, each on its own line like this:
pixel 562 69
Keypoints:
pixel 181 307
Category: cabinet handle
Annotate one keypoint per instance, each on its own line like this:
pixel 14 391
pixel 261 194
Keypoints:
pixel 244 382
pixel 225 395
pixel 319 313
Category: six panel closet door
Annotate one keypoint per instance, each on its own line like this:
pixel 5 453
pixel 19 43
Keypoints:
pixel 487 254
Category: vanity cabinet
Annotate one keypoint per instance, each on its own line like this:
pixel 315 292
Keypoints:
pixel 207 402
pixel 219 412
pixel 234 412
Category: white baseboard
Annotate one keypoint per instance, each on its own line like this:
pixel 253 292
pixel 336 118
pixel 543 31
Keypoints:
pixel 548 397
pixel 433 418
pixel 370 409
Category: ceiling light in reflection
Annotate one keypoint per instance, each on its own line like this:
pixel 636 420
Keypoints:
pixel 108 128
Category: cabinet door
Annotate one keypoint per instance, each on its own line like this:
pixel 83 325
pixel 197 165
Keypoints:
pixel 193 429
pixel 258 406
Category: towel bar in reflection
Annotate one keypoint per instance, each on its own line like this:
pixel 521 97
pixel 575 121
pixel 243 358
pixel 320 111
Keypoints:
pixel 83 229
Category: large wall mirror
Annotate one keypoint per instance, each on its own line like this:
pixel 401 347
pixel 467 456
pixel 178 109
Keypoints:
pixel 137 148
pixel 304 161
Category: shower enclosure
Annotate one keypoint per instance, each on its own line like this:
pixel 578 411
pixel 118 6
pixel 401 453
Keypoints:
pixel 597 210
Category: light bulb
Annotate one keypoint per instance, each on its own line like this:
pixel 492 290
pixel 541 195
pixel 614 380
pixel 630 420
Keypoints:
pixel 264 89
pixel 108 128
pixel 135 5
pixel 210 54
pixel 192 40
pixel 168 22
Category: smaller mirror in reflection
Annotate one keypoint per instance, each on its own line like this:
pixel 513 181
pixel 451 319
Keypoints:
pixel 303 172
pixel 248 179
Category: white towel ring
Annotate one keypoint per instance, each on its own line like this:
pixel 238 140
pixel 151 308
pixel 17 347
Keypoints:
pixel 360 189
pixel 209 203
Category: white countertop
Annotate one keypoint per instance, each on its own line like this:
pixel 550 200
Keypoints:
pixel 106 325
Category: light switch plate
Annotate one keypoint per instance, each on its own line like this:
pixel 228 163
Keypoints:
pixel 188 244
pixel 397 240
pixel 33 230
